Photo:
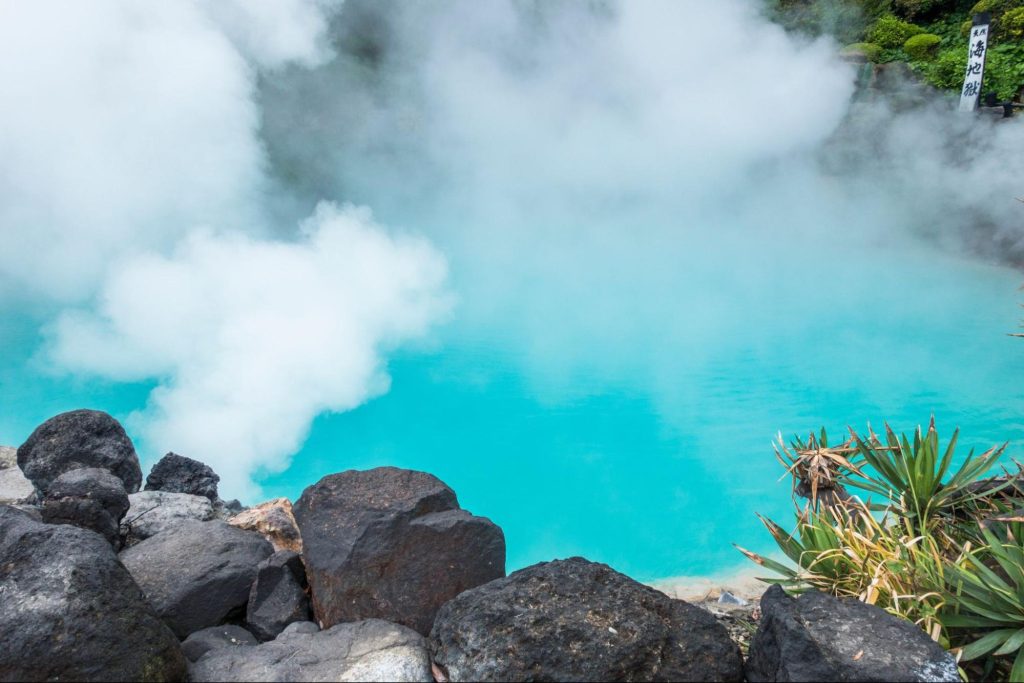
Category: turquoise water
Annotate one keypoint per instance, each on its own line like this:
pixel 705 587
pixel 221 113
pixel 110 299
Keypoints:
pixel 653 461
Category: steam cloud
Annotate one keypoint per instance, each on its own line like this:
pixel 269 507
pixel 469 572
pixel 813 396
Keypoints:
pixel 574 161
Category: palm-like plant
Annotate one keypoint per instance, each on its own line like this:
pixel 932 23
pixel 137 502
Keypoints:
pixel 988 593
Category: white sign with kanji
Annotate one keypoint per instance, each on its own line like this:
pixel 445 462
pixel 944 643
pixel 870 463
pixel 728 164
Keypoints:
pixel 976 49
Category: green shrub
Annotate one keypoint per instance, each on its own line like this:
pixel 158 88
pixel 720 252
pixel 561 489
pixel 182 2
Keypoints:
pixel 923 46
pixel 870 51
pixel 1012 23
pixel 947 71
pixel 892 33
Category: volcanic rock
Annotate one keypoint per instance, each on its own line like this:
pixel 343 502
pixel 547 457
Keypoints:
pixel 80 438
pixel 273 519
pixel 370 650
pixel 392 544
pixel 70 611
pixel 576 620
pixel 229 635
pixel 818 637
pixel 14 486
pixel 90 498
pixel 153 512
pixel 277 597
pixel 178 474
pixel 197 574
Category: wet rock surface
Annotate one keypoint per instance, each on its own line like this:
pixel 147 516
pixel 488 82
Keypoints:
pixel 817 637
pixel 77 439
pixel 575 620
pixel 198 574
pixel 70 611
pixel 370 650
pixel 392 544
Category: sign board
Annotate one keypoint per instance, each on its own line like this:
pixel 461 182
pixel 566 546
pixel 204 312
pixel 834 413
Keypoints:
pixel 977 47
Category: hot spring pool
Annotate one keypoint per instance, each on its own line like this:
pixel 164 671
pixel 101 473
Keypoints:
pixel 656 459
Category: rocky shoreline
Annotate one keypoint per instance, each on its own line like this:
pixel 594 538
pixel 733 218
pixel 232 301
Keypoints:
pixel 369 575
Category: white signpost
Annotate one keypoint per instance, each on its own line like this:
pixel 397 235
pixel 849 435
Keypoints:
pixel 977 46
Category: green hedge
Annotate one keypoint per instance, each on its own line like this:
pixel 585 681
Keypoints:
pixel 891 33
pixel 871 51
pixel 923 46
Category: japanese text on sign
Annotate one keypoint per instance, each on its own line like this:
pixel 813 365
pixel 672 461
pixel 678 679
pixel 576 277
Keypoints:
pixel 976 49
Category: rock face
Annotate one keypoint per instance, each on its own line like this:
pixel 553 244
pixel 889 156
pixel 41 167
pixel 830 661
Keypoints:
pixel 275 521
pixel 152 512
pixel 278 595
pixel 215 637
pixel 70 611
pixel 817 637
pixel 392 544
pixel 90 498
pixel 370 650
pixel 197 574
pixel 14 486
pixel 575 620
pixel 178 474
pixel 80 438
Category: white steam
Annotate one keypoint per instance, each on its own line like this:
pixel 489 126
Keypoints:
pixel 253 339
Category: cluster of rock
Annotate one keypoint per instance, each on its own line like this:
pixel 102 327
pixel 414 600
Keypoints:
pixel 375 575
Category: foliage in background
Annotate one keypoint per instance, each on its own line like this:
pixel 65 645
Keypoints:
pixel 936 542
pixel 897 28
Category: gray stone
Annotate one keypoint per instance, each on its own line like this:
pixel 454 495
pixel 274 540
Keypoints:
pixel 80 438
pixel 818 637
pixel 391 544
pixel 575 620
pixel 152 512
pixel 89 498
pixel 14 486
pixel 197 574
pixel 278 595
pixel 300 627
pixel 8 457
pixel 371 650
pixel 177 474
pixel 229 635
pixel 727 598
pixel 70 611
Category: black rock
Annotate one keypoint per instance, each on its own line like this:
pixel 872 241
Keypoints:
pixel 90 498
pixel 70 611
pixel 371 650
pixel 80 438
pixel 197 574
pixel 818 637
pixel 277 597
pixel 575 620
pixel 391 544
pixel 229 635
pixel 178 474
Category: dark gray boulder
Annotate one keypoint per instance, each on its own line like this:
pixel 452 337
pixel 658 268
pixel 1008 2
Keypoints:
pixel 197 574
pixel 229 635
pixel 89 498
pixel 80 438
pixel 370 650
pixel 818 637
pixel 70 611
pixel 178 474
pixel 278 596
pixel 576 620
pixel 391 544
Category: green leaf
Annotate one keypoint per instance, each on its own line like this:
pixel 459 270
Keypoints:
pixel 1017 672
pixel 986 644
pixel 1012 644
